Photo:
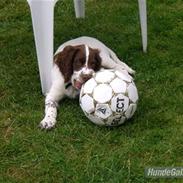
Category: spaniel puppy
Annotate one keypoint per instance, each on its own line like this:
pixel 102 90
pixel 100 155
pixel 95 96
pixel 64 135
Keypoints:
pixel 74 63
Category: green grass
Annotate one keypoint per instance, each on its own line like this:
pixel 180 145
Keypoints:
pixel 77 151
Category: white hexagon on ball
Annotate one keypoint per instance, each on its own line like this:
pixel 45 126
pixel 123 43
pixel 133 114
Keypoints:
pixel 95 119
pixel 118 85
pixel 89 86
pixel 87 103
pixel 102 93
pixel 132 93
pixel 104 76
pixel 130 111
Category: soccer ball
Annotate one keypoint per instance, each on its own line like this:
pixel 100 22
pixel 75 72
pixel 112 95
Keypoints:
pixel 109 98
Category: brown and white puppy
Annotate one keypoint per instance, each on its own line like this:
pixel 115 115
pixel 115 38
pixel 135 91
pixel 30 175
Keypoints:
pixel 74 63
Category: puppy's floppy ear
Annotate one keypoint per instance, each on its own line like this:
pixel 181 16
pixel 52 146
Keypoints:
pixel 99 60
pixel 94 59
pixel 64 61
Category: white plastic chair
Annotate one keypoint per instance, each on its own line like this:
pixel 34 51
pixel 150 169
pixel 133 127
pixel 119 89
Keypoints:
pixel 42 12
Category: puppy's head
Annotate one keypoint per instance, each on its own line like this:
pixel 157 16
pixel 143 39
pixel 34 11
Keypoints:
pixel 78 63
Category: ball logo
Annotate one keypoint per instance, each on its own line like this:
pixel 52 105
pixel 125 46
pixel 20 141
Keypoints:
pixel 120 105
pixel 102 110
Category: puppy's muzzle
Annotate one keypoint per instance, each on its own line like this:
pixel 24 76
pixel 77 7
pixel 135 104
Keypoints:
pixel 86 77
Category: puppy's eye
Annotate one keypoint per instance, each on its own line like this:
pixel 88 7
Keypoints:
pixel 78 63
pixel 93 65
pixel 80 60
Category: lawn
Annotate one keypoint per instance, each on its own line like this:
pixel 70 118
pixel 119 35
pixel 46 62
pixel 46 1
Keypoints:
pixel 77 151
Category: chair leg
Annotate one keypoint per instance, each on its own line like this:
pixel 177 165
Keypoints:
pixel 143 22
pixel 42 13
pixel 79 6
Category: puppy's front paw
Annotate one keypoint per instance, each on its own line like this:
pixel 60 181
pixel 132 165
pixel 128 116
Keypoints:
pixel 47 123
pixel 132 72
